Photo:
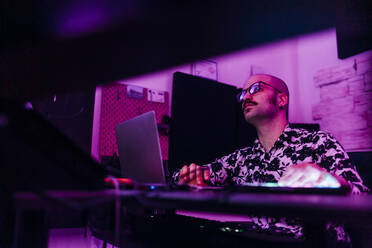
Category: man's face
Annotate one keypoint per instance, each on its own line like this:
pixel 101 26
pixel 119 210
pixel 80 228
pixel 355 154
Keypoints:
pixel 262 104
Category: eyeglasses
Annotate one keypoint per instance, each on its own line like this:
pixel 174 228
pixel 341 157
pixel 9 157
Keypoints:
pixel 253 89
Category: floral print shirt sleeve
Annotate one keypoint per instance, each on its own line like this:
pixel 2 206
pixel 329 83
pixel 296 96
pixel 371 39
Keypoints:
pixel 228 170
pixel 332 157
pixel 255 165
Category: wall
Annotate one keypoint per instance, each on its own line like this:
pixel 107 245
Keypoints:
pixel 315 52
pixel 295 60
pixel 159 80
pixel 345 106
pixel 336 93
pixel 279 58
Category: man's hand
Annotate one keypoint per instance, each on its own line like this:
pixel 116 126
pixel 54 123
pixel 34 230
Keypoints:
pixel 310 175
pixel 195 175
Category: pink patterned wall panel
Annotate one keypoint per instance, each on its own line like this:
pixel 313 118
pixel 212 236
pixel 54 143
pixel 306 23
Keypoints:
pixel 117 107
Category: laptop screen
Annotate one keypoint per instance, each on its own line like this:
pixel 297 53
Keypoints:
pixel 139 149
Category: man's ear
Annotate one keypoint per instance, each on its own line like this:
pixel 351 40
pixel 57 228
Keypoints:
pixel 283 100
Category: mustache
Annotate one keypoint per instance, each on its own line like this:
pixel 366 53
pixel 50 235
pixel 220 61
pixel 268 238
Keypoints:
pixel 246 102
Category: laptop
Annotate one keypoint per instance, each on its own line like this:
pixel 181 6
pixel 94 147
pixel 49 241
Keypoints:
pixel 139 150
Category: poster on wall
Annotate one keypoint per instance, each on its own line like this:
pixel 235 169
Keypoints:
pixel 206 69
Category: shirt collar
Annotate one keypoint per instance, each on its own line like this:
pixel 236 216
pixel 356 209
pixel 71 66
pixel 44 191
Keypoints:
pixel 257 144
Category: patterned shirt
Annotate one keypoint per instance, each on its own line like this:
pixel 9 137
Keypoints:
pixel 254 164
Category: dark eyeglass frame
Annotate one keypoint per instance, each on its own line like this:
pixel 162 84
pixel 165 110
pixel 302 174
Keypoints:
pixel 253 89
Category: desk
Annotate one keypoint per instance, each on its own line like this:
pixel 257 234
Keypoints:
pixel 316 209
pixel 349 209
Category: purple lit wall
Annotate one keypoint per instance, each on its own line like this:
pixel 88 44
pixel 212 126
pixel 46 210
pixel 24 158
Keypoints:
pixel 117 107
pixel 296 60
pixel 159 81
pixel 345 106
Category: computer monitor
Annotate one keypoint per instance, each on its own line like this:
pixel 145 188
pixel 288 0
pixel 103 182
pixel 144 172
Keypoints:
pixel 206 121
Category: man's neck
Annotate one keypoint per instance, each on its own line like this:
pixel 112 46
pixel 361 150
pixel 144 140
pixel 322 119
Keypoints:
pixel 269 131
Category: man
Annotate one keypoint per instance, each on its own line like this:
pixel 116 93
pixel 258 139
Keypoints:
pixel 281 154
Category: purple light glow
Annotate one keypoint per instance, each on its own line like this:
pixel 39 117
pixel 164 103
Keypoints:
pixel 83 19
pixel 77 18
